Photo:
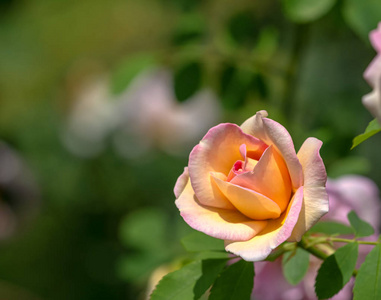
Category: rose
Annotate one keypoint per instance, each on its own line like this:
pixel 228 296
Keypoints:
pixel 346 193
pixel 247 186
pixel 372 74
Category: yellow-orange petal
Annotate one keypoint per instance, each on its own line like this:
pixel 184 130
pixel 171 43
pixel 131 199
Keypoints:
pixel 270 178
pixel 250 203
pixel 273 133
pixel 275 233
pixel 216 222
pixel 217 152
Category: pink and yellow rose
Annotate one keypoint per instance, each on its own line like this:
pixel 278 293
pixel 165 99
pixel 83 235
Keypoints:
pixel 246 185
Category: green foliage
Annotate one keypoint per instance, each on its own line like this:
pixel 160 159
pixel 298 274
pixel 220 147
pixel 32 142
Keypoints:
pixel 372 128
pixel 189 29
pixel 236 282
pixel 144 229
pixel 198 241
pixel 295 265
pixel 336 271
pixel 187 80
pixel 331 228
pixel 243 28
pixel 368 279
pixel 145 232
pixel 363 16
pixel 349 165
pixel 360 227
pixel 190 282
pixel 235 85
pixel 304 11
pixel 128 69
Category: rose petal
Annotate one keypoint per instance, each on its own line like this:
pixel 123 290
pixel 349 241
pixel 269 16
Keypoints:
pixel 217 152
pixel 216 222
pixel 181 182
pixel 313 166
pixel 269 178
pixel 272 133
pixel 315 204
pixel 276 232
pixel 248 202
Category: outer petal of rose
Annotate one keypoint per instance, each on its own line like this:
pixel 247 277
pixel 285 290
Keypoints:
pixel 269 178
pixel 272 133
pixel 250 203
pixel 216 222
pixel 217 152
pixel 276 232
pixel 181 183
pixel 315 204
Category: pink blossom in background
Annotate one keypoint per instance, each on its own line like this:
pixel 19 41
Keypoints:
pixel 149 116
pixel 91 119
pixel 354 192
pixel 351 192
pixel 19 194
pixel 372 74
pixel 145 117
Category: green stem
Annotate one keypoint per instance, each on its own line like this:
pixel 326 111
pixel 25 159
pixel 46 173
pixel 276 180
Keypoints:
pixel 314 250
pixel 341 240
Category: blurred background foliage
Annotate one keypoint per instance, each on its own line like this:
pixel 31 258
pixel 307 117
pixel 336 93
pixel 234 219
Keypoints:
pixel 101 102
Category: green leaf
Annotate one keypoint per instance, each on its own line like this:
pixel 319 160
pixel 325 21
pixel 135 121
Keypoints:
pixel 295 265
pixel 336 271
pixel 187 80
pixel 360 227
pixel 198 241
pixel 304 11
pixel 190 282
pixel 362 16
pixel 368 279
pixel 211 268
pixel 236 282
pixel 128 69
pixel 235 85
pixel 372 128
pixel 331 228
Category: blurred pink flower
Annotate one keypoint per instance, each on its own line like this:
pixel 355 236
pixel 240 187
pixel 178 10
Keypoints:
pixel 150 116
pixel 19 194
pixel 91 119
pixel 146 116
pixel 372 74
pixel 346 193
